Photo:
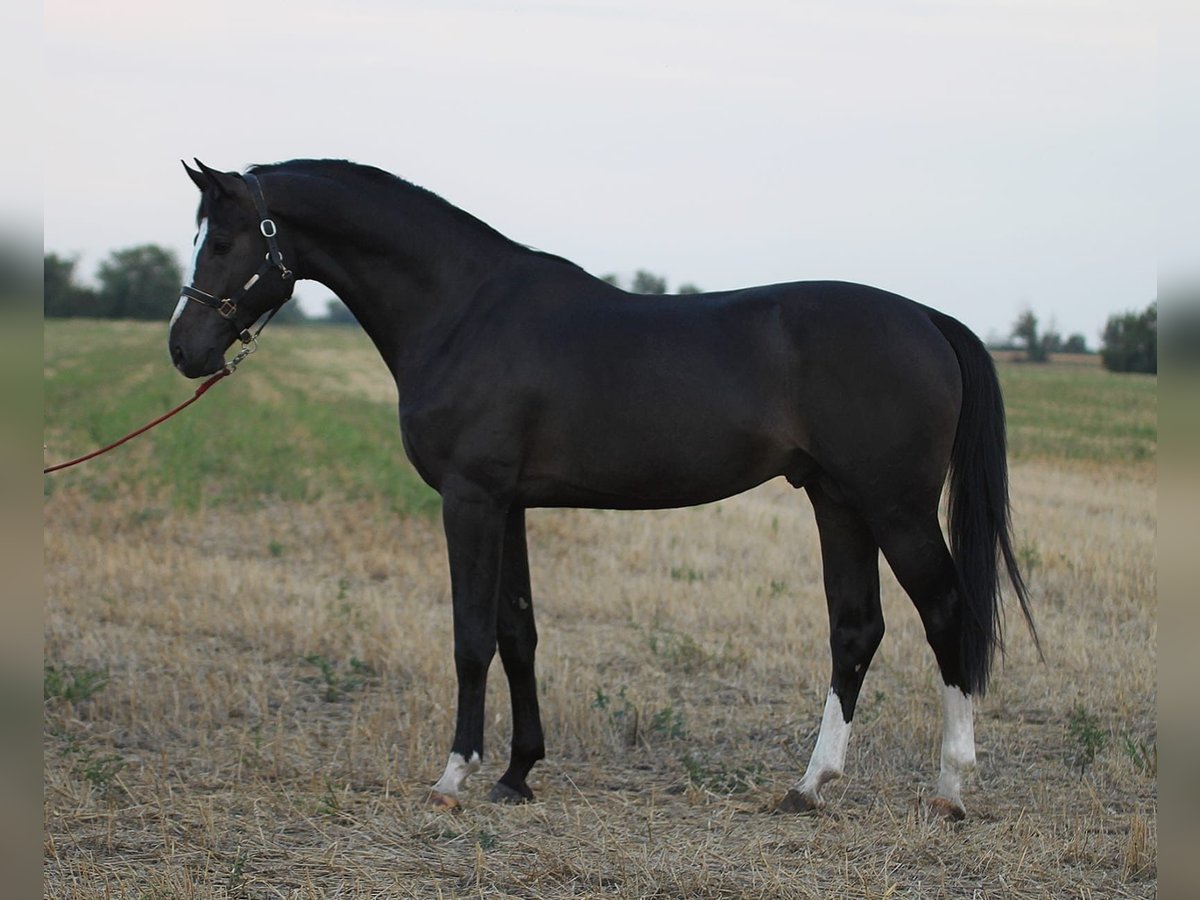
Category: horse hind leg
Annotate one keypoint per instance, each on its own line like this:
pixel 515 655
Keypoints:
pixel 917 553
pixel 850 563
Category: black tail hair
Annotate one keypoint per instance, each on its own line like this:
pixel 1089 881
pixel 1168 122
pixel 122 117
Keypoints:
pixel 980 529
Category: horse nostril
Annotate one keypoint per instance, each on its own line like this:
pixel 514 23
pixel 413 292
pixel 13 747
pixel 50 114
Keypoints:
pixel 176 354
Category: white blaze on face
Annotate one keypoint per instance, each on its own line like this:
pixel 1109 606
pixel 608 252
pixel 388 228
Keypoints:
pixel 457 771
pixel 190 275
pixel 958 743
pixel 829 756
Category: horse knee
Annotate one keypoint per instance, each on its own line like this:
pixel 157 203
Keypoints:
pixel 473 658
pixel 517 648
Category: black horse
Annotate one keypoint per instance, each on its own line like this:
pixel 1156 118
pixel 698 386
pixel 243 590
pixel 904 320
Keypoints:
pixel 526 382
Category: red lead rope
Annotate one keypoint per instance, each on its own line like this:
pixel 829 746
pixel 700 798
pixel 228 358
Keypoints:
pixel 186 403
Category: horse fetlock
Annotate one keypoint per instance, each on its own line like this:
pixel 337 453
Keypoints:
pixel 815 780
pixel 958 744
pixel 960 760
pixel 458 770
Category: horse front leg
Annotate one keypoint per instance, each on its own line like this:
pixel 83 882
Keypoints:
pixel 517 637
pixel 474 527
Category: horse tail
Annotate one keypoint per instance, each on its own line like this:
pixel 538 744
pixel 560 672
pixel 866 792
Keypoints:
pixel 980 527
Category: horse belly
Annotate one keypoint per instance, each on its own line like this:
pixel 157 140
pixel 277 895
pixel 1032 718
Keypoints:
pixel 641 459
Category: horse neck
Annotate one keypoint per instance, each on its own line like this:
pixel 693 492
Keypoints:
pixel 404 264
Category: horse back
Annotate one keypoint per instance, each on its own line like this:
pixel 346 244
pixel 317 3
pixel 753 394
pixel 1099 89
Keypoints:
pixel 575 393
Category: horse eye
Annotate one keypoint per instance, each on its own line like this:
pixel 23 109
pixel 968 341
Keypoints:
pixel 220 248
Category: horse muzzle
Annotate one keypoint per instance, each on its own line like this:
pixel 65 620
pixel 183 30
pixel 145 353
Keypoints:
pixel 198 355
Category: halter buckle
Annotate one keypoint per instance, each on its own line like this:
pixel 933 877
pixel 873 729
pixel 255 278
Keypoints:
pixel 227 309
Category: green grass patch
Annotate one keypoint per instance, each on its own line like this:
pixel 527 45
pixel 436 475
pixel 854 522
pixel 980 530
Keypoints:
pixel 1079 413
pixel 71 684
pixel 283 427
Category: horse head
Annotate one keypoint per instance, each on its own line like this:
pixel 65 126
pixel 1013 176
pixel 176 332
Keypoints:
pixel 230 284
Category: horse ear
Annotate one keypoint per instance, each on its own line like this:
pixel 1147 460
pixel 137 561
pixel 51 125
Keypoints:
pixel 222 182
pixel 198 178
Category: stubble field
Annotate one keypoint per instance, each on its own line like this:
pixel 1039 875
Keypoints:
pixel 249 685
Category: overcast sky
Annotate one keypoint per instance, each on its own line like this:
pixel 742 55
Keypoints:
pixel 979 157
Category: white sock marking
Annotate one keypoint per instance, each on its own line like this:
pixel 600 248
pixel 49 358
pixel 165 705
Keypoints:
pixel 190 275
pixel 958 743
pixel 829 755
pixel 457 771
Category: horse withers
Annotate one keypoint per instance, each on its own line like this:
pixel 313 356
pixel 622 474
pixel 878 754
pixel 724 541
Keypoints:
pixel 526 382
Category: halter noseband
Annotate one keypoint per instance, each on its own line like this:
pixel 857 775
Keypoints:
pixel 227 307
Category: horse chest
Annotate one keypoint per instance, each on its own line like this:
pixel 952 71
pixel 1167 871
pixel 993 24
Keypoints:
pixel 469 442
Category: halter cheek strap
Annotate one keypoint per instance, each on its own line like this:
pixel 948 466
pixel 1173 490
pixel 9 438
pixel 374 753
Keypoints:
pixel 227 307
pixel 266 225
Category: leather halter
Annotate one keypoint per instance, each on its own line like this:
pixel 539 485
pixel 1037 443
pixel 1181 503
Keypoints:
pixel 227 306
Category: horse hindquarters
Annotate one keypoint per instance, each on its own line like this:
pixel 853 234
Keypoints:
pixel 956 595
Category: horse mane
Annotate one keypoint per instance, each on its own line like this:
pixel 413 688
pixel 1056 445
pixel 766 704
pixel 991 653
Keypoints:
pixel 342 169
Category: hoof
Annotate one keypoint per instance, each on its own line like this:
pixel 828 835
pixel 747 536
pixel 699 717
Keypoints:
pixel 502 793
pixel 444 802
pixel 798 804
pixel 947 809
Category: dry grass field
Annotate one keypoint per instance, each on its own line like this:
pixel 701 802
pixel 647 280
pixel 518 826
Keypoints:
pixel 249 685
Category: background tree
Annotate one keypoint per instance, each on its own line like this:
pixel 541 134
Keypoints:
pixel 63 295
pixel 645 282
pixel 1131 341
pixel 140 283
pixel 1052 341
pixel 337 313
pixel 290 313
pixel 1076 343
pixel 1025 332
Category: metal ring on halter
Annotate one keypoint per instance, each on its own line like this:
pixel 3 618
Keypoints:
pixel 248 347
pixel 264 225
